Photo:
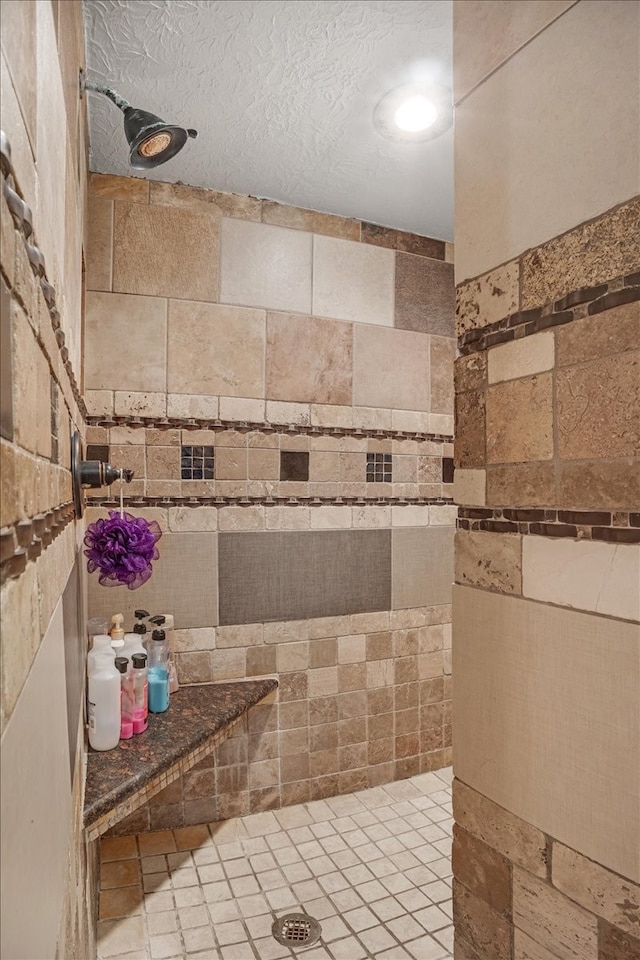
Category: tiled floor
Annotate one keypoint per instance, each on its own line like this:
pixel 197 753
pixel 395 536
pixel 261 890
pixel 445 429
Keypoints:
pixel 373 867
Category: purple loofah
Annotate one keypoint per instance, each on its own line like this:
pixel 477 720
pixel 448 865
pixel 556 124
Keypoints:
pixel 122 549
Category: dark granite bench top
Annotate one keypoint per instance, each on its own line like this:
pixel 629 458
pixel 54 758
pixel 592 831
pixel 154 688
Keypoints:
pixel 196 713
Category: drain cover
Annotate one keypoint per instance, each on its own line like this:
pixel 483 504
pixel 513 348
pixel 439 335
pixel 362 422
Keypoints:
pixel 296 929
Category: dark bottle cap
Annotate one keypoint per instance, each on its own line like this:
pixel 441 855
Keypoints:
pixel 158 619
pixel 158 635
pixel 139 628
pixel 140 614
pixel 122 664
pixel 139 660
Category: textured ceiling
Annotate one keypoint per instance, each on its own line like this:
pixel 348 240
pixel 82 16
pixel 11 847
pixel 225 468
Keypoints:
pixel 282 93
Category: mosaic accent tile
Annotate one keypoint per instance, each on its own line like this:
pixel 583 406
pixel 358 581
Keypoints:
pixel 197 463
pixel 379 467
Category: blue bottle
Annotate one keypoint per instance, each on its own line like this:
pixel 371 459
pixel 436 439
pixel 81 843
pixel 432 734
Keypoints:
pixel 158 676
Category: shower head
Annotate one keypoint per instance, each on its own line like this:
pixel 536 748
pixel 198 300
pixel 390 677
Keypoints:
pixel 152 141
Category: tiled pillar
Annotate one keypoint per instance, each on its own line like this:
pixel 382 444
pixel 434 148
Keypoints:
pixel 46 872
pixel 546 642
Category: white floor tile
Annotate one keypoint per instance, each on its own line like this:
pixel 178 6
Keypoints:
pixel 373 868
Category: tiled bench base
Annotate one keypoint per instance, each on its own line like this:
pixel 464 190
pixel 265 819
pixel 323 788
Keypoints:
pixel 199 718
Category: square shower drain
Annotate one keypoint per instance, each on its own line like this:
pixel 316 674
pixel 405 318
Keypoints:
pixel 296 930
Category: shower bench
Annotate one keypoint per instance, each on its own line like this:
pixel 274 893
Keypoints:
pixel 200 717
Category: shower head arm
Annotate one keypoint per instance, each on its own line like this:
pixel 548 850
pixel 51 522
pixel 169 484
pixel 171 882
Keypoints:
pixel 119 101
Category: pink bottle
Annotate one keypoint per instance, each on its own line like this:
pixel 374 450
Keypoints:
pixel 126 698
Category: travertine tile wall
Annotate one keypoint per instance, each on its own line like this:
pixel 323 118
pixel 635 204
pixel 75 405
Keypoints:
pixel 547 556
pixel 45 868
pixel 296 347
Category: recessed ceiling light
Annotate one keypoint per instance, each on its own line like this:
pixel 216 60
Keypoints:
pixel 414 113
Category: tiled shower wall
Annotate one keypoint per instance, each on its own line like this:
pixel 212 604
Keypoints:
pixel 285 398
pixel 547 596
pixel 45 868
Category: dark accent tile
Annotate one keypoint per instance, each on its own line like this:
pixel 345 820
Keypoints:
pixel 422 246
pixel 447 469
pixel 6 365
pixel 379 236
pixel 580 296
pixel 553 530
pixel 98 451
pixel 632 279
pixel 524 316
pixel 583 516
pixel 476 513
pixel 525 516
pixel 197 463
pixel 499 526
pixel 379 468
pixel 634 519
pixel 627 295
pixel 294 465
pixel 616 534
pixel 425 295
pixel 500 336
pixel 551 320
pixel 292 576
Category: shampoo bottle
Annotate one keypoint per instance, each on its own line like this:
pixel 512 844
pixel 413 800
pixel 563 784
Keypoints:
pixel 117 633
pixel 104 704
pixel 140 692
pixel 158 673
pixel 101 645
pixel 168 628
pixel 126 698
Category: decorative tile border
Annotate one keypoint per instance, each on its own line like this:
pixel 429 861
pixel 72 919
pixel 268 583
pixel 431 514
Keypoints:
pixel 612 527
pixel 574 306
pixel 23 220
pixel 27 539
pixel 269 501
pixel 292 429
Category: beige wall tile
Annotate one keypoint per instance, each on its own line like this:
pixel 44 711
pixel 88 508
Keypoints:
pixel 442 515
pixel 521 358
pixel 146 239
pixel 490 560
pixel 495 224
pixel 353 281
pixel 485 36
pixel 601 486
pixel 215 349
pixel 133 403
pixel 520 420
pixel 550 669
pixel 469 487
pixel 597 405
pixel 424 295
pixel 441 423
pixel 326 415
pixel 330 518
pixel 99 250
pixel 443 352
pixel 521 485
pixel 35 760
pixel 524 948
pixel 265 266
pixel 118 188
pixel 553 920
pixel 241 409
pixel 114 321
pixel 192 519
pixel 615 331
pixel 323 363
pixel 587 575
pixel 390 368
pixel 590 254
pixel 410 420
pixel 596 889
pixel 196 198
pixel 488 298
pixel 323 223
pixel 280 412
pixel 422 566
pixel 196 405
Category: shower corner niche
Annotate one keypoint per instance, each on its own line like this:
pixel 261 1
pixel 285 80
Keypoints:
pixel 87 474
